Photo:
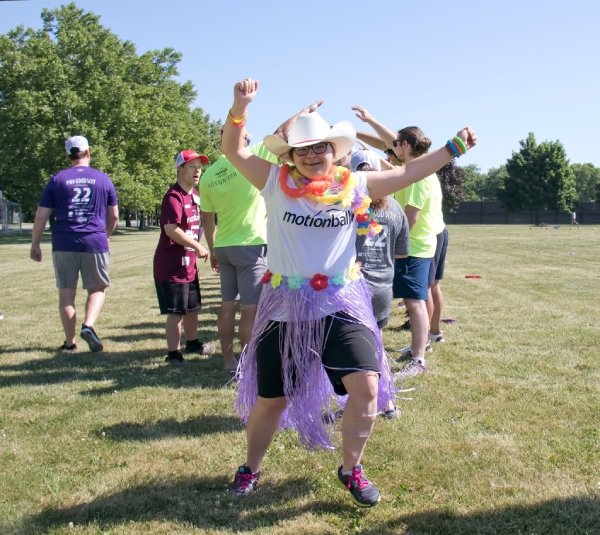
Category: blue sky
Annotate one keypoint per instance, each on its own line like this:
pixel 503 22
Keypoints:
pixel 504 68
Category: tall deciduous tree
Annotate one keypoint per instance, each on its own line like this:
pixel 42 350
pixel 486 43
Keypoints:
pixel 539 178
pixel 74 76
pixel 587 176
pixel 451 179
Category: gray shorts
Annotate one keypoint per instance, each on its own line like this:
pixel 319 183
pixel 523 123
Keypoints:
pixel 241 269
pixel 93 267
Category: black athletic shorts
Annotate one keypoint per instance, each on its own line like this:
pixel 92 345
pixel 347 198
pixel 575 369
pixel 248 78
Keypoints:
pixel 178 298
pixel 347 345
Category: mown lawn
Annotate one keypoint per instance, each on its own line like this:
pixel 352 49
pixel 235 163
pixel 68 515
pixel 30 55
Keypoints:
pixel 502 438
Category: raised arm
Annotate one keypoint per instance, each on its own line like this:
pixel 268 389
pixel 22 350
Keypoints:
pixel 385 183
pixel 386 135
pixel 254 169
pixel 283 130
pixel 371 139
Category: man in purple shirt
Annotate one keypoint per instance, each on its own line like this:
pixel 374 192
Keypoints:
pixel 86 214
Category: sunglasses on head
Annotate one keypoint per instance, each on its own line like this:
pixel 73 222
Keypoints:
pixel 319 148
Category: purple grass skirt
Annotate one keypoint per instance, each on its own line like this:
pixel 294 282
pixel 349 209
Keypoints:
pixel 311 400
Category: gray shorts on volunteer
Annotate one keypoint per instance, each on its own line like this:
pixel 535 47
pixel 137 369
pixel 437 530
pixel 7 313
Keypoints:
pixel 93 268
pixel 241 268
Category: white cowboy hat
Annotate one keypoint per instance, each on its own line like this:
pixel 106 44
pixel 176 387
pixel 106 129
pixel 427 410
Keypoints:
pixel 309 129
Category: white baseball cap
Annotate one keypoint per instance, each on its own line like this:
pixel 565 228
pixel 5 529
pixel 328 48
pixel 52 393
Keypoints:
pixel 76 142
pixel 365 156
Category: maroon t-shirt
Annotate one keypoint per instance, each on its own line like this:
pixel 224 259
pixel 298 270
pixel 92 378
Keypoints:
pixel 174 262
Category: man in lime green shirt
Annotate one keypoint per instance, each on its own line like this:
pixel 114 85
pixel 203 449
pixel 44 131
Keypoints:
pixel 419 203
pixel 238 249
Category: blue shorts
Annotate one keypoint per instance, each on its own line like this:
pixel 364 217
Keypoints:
pixel 411 277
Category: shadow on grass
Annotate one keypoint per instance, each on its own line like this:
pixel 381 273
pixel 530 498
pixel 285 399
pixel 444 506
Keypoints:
pixel 123 370
pixel 578 515
pixel 190 502
pixel 193 502
pixel 194 427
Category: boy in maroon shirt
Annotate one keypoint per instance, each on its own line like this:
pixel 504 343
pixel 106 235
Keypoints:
pixel 175 273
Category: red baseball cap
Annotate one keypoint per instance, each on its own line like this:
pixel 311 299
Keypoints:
pixel 188 155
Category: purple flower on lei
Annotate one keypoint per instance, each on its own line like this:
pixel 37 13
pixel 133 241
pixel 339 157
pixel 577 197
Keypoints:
pixel 359 195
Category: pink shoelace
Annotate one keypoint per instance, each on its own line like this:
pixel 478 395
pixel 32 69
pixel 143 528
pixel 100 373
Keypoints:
pixel 360 478
pixel 246 480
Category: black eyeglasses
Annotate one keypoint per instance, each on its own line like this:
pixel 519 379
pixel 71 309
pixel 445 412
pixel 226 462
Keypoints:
pixel 319 148
pixel 397 142
pixel 248 141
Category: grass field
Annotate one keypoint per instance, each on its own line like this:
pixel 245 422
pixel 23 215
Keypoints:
pixel 502 438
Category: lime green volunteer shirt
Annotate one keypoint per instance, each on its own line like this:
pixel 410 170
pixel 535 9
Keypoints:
pixel 238 204
pixel 426 195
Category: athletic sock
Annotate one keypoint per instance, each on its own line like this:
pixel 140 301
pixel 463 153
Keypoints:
pixel 347 473
pixel 420 361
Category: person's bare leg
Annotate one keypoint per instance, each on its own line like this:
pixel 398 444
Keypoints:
pixel 261 428
pixel 66 307
pixel 94 304
pixel 359 415
pixel 173 331
pixel 429 303
pixel 438 306
pixel 226 328
pixel 247 323
pixel 190 326
pixel 419 326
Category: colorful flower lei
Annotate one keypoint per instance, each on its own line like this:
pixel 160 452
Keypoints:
pixel 317 190
pixel 319 282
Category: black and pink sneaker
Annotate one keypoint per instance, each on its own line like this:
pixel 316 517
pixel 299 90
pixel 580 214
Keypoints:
pixel 245 482
pixel 364 493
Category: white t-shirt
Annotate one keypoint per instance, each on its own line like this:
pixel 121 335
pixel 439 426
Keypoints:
pixel 306 237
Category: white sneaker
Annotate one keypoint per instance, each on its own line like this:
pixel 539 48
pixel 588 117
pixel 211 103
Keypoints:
pixel 411 369
pixel 406 352
pixel 436 338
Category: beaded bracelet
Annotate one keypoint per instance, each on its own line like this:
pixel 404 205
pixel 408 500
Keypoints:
pixel 453 148
pixel 461 144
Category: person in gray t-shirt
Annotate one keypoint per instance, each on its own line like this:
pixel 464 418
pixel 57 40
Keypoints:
pixel 377 254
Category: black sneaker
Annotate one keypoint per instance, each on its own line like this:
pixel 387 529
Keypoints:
pixel 65 347
pixel 405 326
pixel 244 482
pixel 364 493
pixel 198 348
pixel 177 360
pixel 90 336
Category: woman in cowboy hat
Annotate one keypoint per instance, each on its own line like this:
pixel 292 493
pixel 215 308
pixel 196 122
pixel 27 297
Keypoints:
pixel 315 334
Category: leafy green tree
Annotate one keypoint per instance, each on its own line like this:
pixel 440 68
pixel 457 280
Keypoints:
pixel 473 182
pixel 73 76
pixel 451 178
pixel 539 178
pixel 587 176
pixel 496 176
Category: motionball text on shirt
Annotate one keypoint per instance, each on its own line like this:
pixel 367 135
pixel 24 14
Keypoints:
pixel 81 181
pixel 337 219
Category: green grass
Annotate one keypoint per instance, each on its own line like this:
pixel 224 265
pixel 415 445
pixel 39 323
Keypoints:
pixel 502 438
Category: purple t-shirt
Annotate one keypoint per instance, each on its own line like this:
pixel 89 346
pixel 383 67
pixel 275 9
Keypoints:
pixel 79 197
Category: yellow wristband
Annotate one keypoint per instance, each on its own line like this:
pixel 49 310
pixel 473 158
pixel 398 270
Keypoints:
pixel 237 120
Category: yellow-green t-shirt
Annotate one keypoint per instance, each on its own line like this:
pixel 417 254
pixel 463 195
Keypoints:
pixel 425 195
pixel 438 214
pixel 238 204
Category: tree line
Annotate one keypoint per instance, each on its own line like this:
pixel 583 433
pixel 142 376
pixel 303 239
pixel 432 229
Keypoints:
pixel 75 77
pixel 538 176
